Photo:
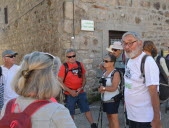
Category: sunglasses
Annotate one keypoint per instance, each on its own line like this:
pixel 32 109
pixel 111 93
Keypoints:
pixel 114 50
pixel 71 56
pixel 11 56
pixel 106 61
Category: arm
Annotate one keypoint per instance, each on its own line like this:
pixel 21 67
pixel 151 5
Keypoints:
pixel 115 83
pixel 156 123
pixel 152 82
pixel 65 88
pixel 83 84
pixel 102 67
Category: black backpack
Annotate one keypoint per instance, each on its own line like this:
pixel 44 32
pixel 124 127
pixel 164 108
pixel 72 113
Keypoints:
pixel 164 85
pixel 119 96
pixel 79 68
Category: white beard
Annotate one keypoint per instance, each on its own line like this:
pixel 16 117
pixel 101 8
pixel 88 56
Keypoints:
pixel 133 53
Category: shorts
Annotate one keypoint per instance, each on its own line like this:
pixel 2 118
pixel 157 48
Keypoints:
pixel 111 108
pixel 80 100
pixel 134 124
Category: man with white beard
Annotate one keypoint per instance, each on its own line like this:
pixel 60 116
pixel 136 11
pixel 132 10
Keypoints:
pixel 141 98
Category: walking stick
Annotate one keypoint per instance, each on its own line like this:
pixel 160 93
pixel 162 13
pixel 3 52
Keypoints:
pixel 100 114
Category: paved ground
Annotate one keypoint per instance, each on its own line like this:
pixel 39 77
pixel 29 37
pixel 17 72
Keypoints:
pixel 81 121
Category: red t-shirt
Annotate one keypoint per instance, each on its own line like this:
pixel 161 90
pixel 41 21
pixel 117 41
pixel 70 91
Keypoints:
pixel 71 81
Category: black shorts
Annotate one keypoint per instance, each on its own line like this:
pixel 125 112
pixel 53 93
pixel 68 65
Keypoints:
pixel 111 108
pixel 134 124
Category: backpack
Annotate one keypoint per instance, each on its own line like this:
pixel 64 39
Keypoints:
pixel 167 61
pixel 79 68
pixel 61 98
pixel 119 96
pixel 22 119
pixel 164 85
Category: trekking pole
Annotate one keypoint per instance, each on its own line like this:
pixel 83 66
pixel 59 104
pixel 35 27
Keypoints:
pixel 100 117
pixel 100 114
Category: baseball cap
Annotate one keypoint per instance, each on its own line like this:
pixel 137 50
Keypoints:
pixel 6 52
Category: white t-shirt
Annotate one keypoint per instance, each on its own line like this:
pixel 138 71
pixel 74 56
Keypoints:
pixel 137 97
pixel 109 95
pixel 8 75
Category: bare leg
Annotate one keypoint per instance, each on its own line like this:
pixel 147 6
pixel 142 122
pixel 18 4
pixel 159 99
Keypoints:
pixel 72 117
pixel 113 120
pixel 89 117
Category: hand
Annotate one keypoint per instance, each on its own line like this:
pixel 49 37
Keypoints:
pixel 100 89
pixel 79 90
pixel 156 124
pixel 73 93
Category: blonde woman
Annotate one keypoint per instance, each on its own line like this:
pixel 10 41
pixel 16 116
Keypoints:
pixel 36 81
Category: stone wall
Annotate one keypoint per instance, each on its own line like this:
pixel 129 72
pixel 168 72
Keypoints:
pixel 49 25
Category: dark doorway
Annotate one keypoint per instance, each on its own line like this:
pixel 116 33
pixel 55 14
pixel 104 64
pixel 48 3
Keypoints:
pixel 115 36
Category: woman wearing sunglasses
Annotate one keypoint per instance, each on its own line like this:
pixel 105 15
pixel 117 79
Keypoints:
pixel 110 90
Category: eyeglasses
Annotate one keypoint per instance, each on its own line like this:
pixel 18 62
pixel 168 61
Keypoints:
pixel 71 56
pixel 124 44
pixel 114 50
pixel 106 61
pixel 11 56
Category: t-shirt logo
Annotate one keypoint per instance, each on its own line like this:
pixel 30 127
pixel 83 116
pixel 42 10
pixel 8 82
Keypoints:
pixel 75 71
pixel 127 73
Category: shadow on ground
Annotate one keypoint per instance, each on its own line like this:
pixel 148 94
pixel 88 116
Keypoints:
pixel 81 121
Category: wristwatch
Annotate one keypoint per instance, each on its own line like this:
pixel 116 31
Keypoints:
pixel 104 88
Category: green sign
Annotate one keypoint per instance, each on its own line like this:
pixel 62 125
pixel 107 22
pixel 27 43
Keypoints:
pixel 87 25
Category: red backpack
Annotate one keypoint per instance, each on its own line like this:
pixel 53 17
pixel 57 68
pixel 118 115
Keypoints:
pixel 22 119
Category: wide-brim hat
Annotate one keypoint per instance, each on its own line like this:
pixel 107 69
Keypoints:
pixel 8 52
pixel 115 45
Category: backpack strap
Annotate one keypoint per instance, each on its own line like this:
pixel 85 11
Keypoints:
pixel 162 72
pixel 142 66
pixel 80 69
pixel 0 71
pixel 123 58
pixel 33 107
pixel 158 59
pixel 9 105
pixel 66 70
pixel 121 78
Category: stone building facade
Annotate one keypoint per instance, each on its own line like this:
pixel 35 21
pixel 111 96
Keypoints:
pixel 55 25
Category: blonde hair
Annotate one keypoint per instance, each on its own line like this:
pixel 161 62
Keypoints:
pixel 35 78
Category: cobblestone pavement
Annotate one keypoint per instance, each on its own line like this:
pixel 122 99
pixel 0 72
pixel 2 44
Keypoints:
pixel 81 121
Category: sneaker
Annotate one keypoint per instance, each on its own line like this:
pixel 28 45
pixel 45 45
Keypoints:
pixel 93 125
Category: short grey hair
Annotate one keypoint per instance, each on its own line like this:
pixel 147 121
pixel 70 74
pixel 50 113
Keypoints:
pixel 70 50
pixel 134 34
pixel 35 77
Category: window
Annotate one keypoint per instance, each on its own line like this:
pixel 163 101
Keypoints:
pixel 115 36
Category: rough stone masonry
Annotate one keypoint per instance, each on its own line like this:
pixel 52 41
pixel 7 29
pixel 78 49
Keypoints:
pixel 49 25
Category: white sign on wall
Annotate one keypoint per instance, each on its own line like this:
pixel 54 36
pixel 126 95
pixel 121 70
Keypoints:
pixel 87 25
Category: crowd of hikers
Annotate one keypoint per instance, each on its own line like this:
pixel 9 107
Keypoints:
pixel 133 72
